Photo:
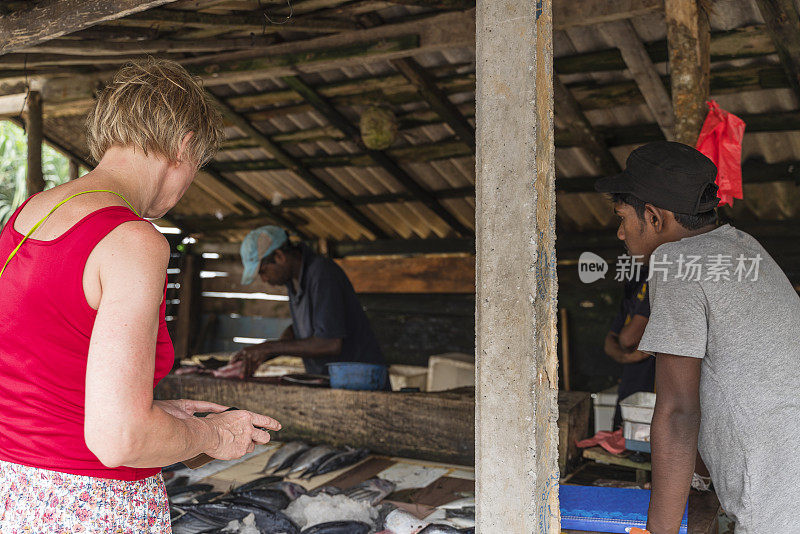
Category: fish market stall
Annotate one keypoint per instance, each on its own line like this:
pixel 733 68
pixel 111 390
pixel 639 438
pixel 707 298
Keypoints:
pixel 435 426
pixel 287 488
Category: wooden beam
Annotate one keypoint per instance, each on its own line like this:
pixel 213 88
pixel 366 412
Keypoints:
pixel 568 112
pixel 291 163
pixel 591 12
pixel 35 130
pixel 623 35
pixel 419 153
pixel 379 158
pixel 13 105
pixel 431 34
pixel 436 99
pixel 253 21
pixel 107 48
pixel 49 19
pixel 74 170
pixel 688 38
pixel 418 274
pixel 187 313
pixel 783 21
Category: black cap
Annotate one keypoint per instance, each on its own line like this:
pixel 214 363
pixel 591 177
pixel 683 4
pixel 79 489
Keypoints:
pixel 668 175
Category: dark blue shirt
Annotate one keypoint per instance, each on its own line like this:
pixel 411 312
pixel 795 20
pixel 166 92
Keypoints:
pixel 325 306
pixel 639 376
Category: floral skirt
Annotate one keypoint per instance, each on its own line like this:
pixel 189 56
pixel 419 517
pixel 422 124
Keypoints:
pixel 39 501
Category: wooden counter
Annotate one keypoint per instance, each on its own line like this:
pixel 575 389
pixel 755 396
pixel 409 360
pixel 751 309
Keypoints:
pixel 431 426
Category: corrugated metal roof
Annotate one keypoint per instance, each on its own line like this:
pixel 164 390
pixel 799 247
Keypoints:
pixel 408 218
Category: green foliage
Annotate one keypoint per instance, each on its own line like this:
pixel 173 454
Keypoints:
pixel 13 166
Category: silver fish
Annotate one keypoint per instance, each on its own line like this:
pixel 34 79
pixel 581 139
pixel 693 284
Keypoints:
pixel 285 456
pixel 402 522
pixel 372 491
pixel 311 458
pixel 466 502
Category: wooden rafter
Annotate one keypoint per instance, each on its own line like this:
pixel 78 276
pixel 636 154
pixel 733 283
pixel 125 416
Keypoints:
pixel 591 12
pixel 783 21
pixel 291 163
pixel 254 21
pixel 688 38
pixel 623 35
pixel 390 41
pixel 53 18
pixel 568 112
pixel 106 48
pixel 436 99
pixel 379 158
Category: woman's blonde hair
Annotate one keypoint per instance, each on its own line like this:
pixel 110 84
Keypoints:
pixel 152 104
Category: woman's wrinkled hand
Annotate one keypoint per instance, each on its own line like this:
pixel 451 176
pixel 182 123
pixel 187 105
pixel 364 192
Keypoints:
pixel 237 432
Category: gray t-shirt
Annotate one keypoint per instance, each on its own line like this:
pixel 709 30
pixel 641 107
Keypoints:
pixel 745 326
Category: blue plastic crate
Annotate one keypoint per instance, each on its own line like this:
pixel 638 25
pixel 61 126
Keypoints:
pixel 600 509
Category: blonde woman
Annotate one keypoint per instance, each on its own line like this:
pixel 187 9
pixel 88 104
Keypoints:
pixel 83 339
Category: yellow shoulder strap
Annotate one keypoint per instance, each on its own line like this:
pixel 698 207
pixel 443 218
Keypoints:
pixel 38 224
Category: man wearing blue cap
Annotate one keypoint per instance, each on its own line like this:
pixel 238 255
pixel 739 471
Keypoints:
pixel 328 322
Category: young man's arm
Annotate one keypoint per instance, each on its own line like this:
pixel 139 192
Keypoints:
pixel 673 439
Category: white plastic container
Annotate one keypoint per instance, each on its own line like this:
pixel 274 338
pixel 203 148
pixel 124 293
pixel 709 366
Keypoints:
pixel 636 431
pixel 605 403
pixel 450 371
pixel 408 376
pixel 638 408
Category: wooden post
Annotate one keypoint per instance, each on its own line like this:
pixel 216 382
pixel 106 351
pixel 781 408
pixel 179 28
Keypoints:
pixel 516 392
pixel 35 130
pixel 688 39
pixel 74 169
pixel 783 20
pixel 187 308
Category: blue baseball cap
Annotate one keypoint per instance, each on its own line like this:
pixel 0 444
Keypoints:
pixel 256 246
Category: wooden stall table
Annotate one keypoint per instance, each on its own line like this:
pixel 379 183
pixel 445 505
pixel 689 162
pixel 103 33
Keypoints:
pixel 600 455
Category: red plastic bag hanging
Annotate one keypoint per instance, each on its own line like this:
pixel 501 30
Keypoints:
pixel 721 141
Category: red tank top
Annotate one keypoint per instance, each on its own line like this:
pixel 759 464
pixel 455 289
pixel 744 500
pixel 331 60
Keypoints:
pixel 45 327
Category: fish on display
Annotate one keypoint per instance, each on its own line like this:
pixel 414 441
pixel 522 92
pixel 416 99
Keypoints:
pixel 191 524
pixel 186 494
pixel 339 527
pixel 338 461
pixel 466 512
pixel 284 457
pixel 373 490
pixel 402 522
pixel 311 459
pixel 224 512
pixel 466 502
pixel 327 490
pixel 271 499
pixel 291 489
pixel 259 483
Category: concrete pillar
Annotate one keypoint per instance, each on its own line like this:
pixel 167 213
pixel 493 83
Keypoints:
pixel 516 398
pixel 35 129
